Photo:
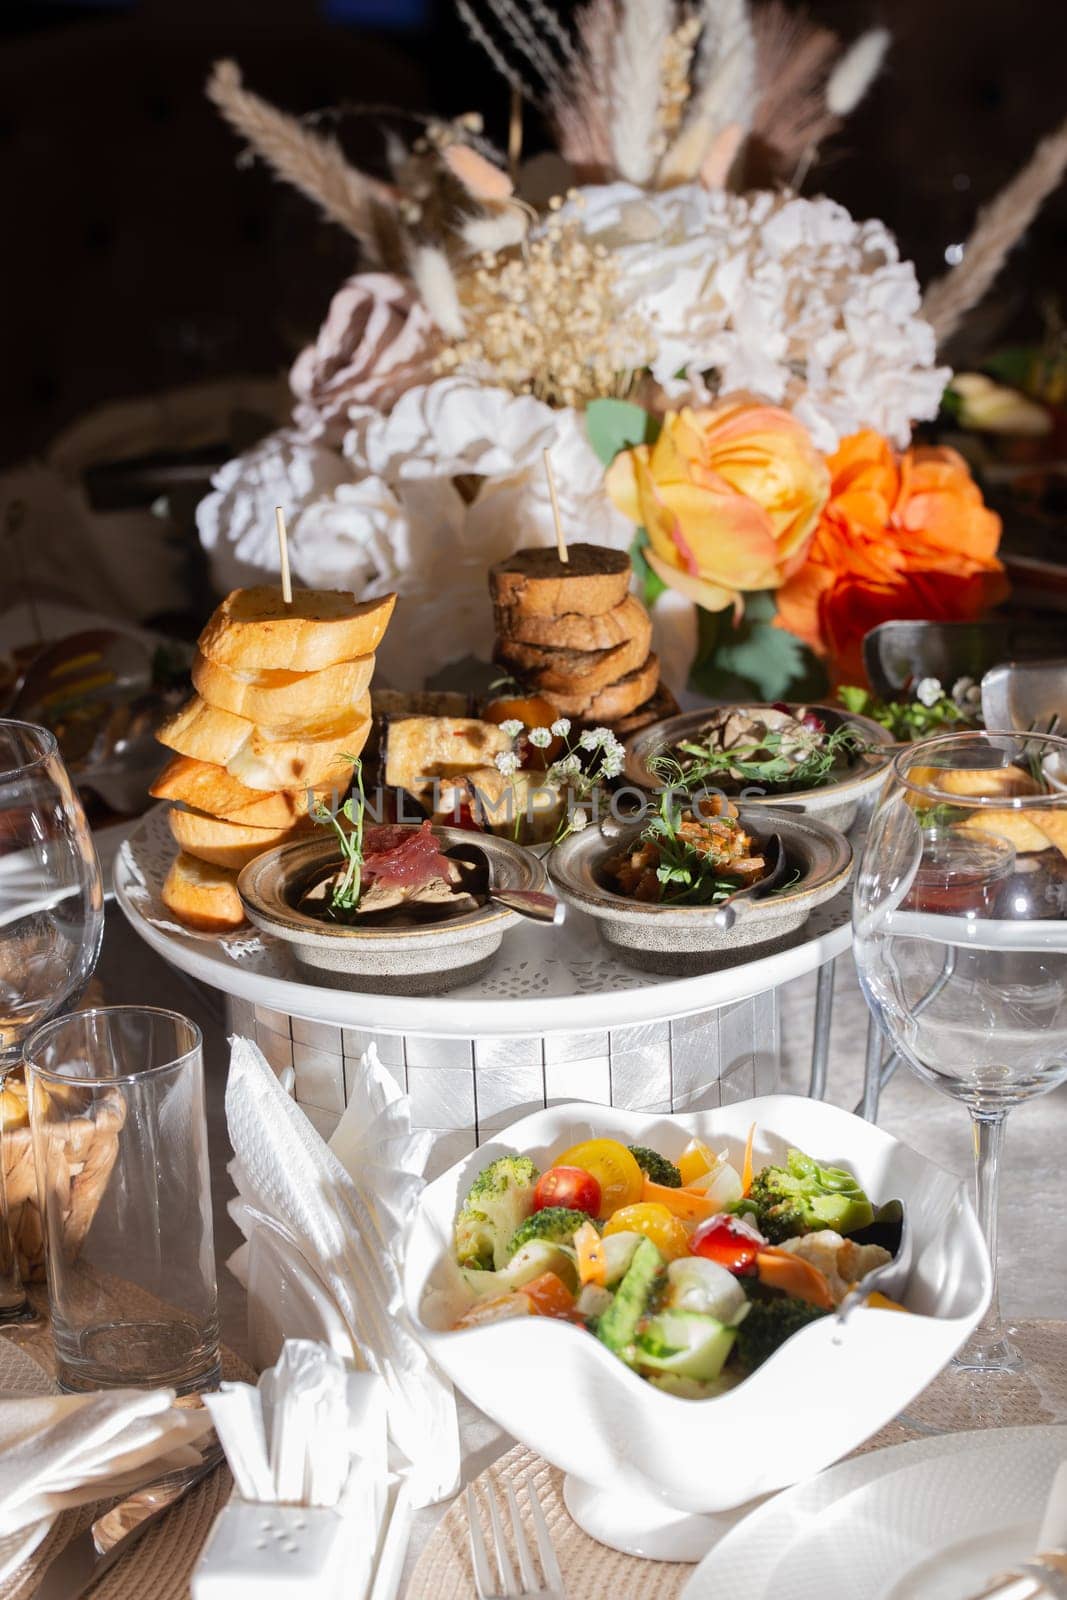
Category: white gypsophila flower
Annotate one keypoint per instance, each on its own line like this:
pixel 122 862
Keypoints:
pixel 966 693
pixel 512 728
pixel 592 738
pixel 566 767
pixel 611 765
pixel 560 728
pixel 507 762
pixel 540 738
pixel 928 692
pixel 788 298
pixel 579 819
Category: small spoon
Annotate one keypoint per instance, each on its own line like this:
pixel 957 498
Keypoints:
pixel 532 903
pixel 774 852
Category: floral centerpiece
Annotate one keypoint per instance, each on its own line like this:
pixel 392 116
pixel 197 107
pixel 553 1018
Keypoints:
pixel 725 372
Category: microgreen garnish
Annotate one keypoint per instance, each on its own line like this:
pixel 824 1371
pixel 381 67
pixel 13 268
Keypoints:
pixel 775 757
pixel 346 892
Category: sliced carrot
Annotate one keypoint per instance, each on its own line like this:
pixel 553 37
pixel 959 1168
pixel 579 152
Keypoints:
pixel 592 1265
pixel 746 1170
pixel 689 1204
pixel 882 1302
pixel 780 1269
pixel 549 1296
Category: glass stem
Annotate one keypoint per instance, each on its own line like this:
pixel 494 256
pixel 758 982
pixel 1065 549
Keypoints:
pixel 988 1347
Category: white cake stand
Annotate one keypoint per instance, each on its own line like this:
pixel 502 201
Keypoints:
pixel 545 980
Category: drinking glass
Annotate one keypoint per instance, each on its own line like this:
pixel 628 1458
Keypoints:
pixel 120 1140
pixel 960 924
pixel 51 923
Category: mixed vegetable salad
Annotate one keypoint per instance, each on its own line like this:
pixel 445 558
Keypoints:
pixel 691 1272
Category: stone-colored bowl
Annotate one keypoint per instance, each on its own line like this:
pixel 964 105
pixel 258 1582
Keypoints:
pixel 835 803
pixel 683 939
pixel 422 960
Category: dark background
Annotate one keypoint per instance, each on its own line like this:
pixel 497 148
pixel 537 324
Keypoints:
pixel 138 253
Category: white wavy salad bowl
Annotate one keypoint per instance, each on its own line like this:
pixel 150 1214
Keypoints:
pixel 646 1467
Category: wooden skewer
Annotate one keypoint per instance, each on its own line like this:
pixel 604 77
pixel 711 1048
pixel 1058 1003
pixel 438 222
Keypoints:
pixel 515 135
pixel 561 543
pixel 283 551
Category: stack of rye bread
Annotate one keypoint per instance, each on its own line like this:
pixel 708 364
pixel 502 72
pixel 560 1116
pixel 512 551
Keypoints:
pixel 571 633
pixel 282 698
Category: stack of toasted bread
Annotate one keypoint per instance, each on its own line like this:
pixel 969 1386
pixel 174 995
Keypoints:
pixel 572 633
pixel 282 698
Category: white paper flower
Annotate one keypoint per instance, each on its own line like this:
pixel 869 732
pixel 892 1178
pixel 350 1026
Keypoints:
pixel 786 297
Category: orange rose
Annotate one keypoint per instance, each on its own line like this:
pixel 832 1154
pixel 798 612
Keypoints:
pixel 729 496
pixel 909 538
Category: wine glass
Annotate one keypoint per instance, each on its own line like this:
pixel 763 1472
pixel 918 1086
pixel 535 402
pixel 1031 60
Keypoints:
pixel 960 925
pixel 51 923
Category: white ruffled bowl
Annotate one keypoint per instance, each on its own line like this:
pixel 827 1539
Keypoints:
pixel 646 1468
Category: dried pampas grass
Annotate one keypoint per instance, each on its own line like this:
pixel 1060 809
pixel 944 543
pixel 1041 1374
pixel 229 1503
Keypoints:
pixel 999 228
pixel 644 29
pixel 794 61
pixel 723 93
pixel 581 113
pixel 311 163
pixel 856 71
pixel 436 283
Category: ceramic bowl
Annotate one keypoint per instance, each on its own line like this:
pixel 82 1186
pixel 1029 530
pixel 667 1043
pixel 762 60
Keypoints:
pixel 836 803
pixel 686 939
pixel 647 1467
pixel 428 959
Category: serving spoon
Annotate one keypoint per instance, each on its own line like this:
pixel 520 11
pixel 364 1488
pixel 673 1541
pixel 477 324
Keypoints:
pixel 774 854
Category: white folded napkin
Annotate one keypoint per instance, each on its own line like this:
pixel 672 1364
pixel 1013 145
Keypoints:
pixel 344 1207
pixel 58 1451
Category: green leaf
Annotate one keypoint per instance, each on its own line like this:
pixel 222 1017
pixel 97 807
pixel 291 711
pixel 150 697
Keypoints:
pixel 1014 364
pixel 753 659
pixel 614 425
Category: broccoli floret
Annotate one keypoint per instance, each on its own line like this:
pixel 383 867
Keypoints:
pixel 802 1197
pixel 657 1167
pixel 557 1224
pixel 500 1198
pixel 770 1322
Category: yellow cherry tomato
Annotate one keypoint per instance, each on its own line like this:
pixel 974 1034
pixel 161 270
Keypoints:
pixel 695 1160
pixel 667 1233
pixel 620 1178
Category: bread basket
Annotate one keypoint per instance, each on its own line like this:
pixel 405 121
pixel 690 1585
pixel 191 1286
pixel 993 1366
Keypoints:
pixel 82 1153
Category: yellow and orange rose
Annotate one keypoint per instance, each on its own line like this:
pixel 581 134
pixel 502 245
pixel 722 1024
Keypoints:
pixel 899 538
pixel 729 495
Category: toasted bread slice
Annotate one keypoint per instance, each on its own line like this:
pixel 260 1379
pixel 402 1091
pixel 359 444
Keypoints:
pixel 419 749
pixel 253 630
pixel 661 705
pixel 609 705
pixel 285 704
pixel 259 762
pixel 209 788
pixel 594 579
pixel 226 844
pixel 574 630
pixel 575 671
pixel 203 897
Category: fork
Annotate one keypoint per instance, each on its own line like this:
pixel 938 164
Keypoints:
pixel 484 1582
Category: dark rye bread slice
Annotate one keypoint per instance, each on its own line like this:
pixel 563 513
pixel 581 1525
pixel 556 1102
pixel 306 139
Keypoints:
pixel 611 704
pixel 536 582
pixel 574 630
pixel 540 667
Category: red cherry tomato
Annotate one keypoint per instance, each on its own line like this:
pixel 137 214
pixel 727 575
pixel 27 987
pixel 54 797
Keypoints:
pixel 569 1187
pixel 728 1241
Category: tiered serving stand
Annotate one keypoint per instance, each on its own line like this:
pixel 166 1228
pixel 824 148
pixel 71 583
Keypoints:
pixel 556 1017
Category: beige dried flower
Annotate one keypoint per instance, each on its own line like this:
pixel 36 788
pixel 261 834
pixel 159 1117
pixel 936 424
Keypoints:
pixel 674 76
pixel 545 321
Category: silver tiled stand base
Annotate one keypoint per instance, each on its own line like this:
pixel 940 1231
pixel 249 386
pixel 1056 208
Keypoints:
pixel 466 1089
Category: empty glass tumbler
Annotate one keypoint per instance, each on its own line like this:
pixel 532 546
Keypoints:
pixel 116 1101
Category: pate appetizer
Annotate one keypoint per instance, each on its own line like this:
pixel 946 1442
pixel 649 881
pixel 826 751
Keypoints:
pixel 686 857
pixel 689 1271
pixel 783 749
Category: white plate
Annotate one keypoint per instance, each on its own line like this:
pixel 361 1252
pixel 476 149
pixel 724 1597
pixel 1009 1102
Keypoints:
pixel 543 980
pixel 932 1519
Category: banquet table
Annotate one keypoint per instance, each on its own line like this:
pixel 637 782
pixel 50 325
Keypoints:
pixel 1034 1281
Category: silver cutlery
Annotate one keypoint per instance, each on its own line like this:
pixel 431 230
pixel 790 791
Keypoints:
pixel 504 1586
pixel 531 903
